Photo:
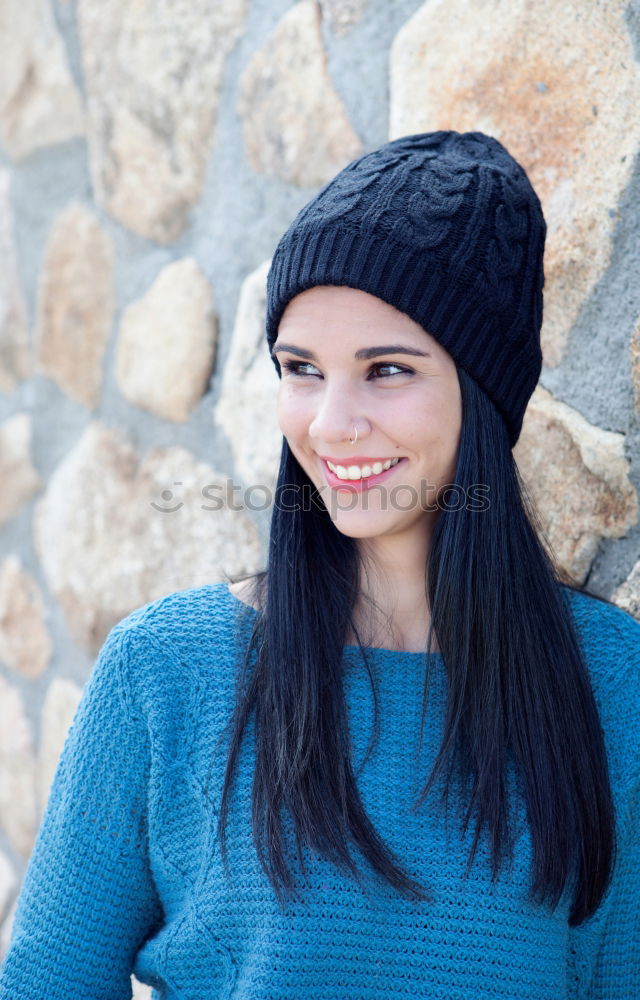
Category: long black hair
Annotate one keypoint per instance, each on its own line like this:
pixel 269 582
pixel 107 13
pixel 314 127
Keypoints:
pixel 517 682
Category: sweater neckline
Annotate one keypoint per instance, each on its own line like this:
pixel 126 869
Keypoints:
pixel 406 656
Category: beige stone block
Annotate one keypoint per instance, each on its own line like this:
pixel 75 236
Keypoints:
pixel 8 884
pixel 115 530
pixel 17 771
pixel 295 125
pixel 247 406
pixel 25 643
pixel 5 930
pixel 627 595
pixel 140 991
pixel 15 360
pixel 61 701
pixel 19 478
pixel 75 304
pixel 634 352
pixel 578 477
pixel 39 103
pixel 560 86
pixel 167 343
pixel 152 75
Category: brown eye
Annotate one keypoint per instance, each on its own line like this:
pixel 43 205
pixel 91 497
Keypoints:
pixel 296 367
pixel 382 369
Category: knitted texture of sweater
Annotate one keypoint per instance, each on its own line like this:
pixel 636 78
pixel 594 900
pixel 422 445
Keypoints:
pixel 126 874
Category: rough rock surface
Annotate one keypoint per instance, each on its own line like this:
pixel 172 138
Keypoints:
pixel 627 595
pixel 15 359
pixel 578 477
pixel 39 103
pixel 25 643
pixel 7 884
pixel 152 75
pixel 17 771
pixel 246 409
pixel 295 125
pixel 20 480
pixel 167 342
pixel 75 304
pixel 115 530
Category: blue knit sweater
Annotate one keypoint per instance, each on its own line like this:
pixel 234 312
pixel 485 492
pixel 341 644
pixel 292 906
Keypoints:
pixel 126 874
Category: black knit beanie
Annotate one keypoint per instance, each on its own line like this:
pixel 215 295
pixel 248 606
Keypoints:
pixel 445 227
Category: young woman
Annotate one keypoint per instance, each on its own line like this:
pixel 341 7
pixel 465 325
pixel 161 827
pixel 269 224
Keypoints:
pixel 403 761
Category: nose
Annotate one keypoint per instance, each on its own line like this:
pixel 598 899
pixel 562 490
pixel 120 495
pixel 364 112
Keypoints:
pixel 336 415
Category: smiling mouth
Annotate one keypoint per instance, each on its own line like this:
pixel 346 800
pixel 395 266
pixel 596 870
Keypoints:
pixel 358 475
pixel 353 473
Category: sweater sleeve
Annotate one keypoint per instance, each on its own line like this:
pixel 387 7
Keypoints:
pixel 88 900
pixel 605 950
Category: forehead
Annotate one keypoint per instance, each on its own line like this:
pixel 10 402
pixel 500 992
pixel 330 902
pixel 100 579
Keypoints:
pixel 342 312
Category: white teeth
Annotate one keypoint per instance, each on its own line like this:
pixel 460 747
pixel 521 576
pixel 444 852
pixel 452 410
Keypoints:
pixel 361 472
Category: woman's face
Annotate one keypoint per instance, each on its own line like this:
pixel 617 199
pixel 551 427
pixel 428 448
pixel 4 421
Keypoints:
pixel 348 358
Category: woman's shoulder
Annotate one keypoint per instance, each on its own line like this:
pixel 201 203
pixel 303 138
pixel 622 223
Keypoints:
pixel 187 630
pixel 178 658
pixel 206 610
pixel 610 635
pixel 610 641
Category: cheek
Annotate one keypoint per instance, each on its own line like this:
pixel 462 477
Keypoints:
pixel 435 426
pixel 293 418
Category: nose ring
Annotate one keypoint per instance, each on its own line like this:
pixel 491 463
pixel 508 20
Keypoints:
pixel 356 435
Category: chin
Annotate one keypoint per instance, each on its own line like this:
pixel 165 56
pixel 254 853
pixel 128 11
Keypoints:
pixel 362 525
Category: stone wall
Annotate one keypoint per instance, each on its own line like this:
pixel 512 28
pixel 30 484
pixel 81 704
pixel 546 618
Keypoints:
pixel 150 157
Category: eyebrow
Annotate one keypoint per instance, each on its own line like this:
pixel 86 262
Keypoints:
pixel 365 354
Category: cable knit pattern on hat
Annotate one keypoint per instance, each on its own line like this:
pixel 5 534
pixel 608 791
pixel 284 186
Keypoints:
pixel 445 227
pixel 126 872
